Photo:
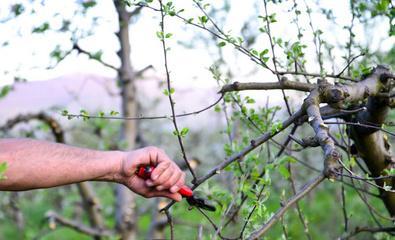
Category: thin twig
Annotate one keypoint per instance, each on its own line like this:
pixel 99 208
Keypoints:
pixel 170 223
pixel 358 230
pixel 169 89
pixel 362 125
pixel 274 57
pixel 145 118
pixel 78 226
pixel 349 63
pixel 304 191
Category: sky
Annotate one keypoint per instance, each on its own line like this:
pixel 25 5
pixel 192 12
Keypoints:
pixel 26 55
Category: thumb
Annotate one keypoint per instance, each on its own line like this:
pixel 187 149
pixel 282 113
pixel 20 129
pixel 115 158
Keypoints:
pixel 174 196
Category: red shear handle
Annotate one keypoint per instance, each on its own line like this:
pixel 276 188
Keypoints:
pixel 145 173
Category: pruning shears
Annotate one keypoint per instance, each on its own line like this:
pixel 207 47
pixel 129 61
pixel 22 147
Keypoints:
pixel 145 173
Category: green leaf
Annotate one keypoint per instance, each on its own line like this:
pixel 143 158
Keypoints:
pixel 166 91
pixel 65 113
pixel 89 4
pixel 5 90
pixel 382 5
pixel 114 113
pixel 221 44
pixel 284 171
pixel 184 132
pixel 249 100
pixel 203 20
pixel 57 53
pixel 168 35
pixel 17 9
pixel 276 127
pixel 285 159
pixel 40 29
pixel 160 35
pixel 97 55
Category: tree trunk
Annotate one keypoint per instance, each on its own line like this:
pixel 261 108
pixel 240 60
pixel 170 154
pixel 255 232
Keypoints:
pixel 372 144
pixel 373 147
pixel 125 199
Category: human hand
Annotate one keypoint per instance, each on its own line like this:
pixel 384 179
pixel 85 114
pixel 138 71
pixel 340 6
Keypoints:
pixel 166 179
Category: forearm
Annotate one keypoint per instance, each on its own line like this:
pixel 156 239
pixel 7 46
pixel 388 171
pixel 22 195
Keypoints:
pixel 39 164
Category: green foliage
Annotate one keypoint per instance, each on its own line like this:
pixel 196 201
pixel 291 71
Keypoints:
pixel 84 114
pixel 97 55
pixel 221 44
pixel 5 90
pixel 182 133
pixel 90 4
pixel 17 9
pixel 166 91
pixel 42 28
pixel 114 113
pixel 57 54
pixel 295 52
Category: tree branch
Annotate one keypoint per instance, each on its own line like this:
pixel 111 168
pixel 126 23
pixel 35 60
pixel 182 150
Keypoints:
pixel 78 226
pixel 283 84
pixel 305 190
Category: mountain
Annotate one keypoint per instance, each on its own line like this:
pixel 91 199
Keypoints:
pixel 95 93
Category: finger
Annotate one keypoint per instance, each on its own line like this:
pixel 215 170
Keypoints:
pixel 174 196
pixel 170 183
pixel 159 170
pixel 149 183
pixel 163 178
pixel 179 183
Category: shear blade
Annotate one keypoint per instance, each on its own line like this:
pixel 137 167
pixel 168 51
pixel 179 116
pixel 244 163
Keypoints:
pixel 201 203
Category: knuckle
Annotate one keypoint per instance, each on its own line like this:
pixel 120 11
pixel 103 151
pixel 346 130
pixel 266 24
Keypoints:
pixel 166 164
pixel 151 149
pixel 168 184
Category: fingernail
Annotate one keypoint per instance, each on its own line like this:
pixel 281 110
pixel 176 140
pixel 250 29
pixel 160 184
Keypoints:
pixel 159 188
pixel 174 189
pixel 178 198
pixel 149 183
pixel 154 177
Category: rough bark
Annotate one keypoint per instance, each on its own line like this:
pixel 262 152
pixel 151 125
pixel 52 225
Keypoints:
pixel 125 199
pixel 372 145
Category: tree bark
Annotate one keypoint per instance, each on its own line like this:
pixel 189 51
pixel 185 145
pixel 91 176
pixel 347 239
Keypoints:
pixel 374 148
pixel 125 199
pixel 371 144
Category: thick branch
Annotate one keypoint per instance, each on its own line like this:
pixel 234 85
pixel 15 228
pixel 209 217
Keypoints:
pixel 283 84
pixel 332 156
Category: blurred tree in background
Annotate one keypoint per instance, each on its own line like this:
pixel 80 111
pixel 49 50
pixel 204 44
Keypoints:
pixel 266 167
